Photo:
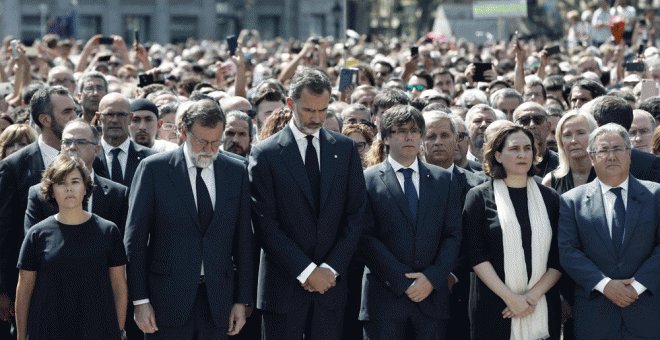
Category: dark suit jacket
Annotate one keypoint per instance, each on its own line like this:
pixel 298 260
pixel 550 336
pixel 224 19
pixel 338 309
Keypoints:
pixel 18 173
pixel 473 166
pixel 165 244
pixel 285 223
pixel 395 244
pixel 136 153
pixel 110 201
pixel 585 246
pixel 644 166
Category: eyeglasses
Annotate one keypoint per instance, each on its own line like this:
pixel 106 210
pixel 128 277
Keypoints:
pixel 526 120
pixel 361 146
pixel 204 143
pixel 67 143
pixel 115 64
pixel 462 136
pixel 419 88
pixel 406 132
pixel 618 151
pixel 118 115
pixel 168 126
pixel 90 89
pixel 60 82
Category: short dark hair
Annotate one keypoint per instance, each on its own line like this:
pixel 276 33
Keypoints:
pixel 89 75
pixel 441 71
pixel 627 96
pixel 368 72
pixel 554 83
pixel 399 115
pixel 535 82
pixel 316 81
pixel 424 75
pixel 42 104
pixel 387 98
pixel 56 173
pixel 652 106
pixel 269 95
pixel 240 115
pixel 593 87
pixel 29 91
pixel 495 169
pixel 206 113
pixel 610 109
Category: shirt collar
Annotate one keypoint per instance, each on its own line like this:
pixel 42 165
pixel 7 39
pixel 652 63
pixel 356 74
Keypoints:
pixel 189 162
pixel 298 135
pixel 396 166
pixel 48 150
pixel 605 188
pixel 451 168
pixel 108 148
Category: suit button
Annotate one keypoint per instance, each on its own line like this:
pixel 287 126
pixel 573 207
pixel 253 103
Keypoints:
pixel 417 262
pixel 387 283
pixel 620 265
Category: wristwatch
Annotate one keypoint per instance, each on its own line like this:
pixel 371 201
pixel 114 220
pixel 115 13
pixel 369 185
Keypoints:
pixel 123 334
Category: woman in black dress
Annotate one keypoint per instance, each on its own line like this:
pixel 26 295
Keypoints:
pixel 72 282
pixel 510 223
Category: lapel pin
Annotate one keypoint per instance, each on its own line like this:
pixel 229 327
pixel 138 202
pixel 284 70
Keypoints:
pixel 335 156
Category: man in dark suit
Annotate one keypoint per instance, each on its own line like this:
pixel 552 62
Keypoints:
pixel 188 236
pixel 413 239
pixel 535 117
pixel 609 109
pixel 609 243
pixel 109 199
pixel 51 108
pixel 120 156
pixel 438 145
pixel 308 220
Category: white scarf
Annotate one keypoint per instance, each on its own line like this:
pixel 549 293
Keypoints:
pixel 535 325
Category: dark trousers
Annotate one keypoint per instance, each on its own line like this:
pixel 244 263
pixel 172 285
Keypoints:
pixel 311 321
pixel 417 326
pixel 459 325
pixel 199 325
pixel 352 327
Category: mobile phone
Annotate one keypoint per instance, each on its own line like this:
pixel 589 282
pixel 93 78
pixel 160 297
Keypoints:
pixel 104 58
pixel 347 77
pixel 552 50
pixel 136 36
pixel 414 51
pixel 31 52
pixel 14 48
pixel 315 41
pixel 640 50
pixel 106 41
pixel 146 79
pixel 634 67
pixel 479 69
pixel 649 89
pixel 232 44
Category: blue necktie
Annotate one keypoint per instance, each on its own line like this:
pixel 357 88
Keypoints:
pixel 204 204
pixel 618 220
pixel 410 191
pixel 116 166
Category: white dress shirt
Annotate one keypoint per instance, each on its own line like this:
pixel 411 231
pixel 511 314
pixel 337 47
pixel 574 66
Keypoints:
pixel 608 204
pixel 48 153
pixel 396 166
pixel 301 140
pixel 123 155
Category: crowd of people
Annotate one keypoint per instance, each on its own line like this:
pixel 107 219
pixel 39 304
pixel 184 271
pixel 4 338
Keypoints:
pixel 448 191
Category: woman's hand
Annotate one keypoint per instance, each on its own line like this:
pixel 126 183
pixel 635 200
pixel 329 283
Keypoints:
pixel 519 306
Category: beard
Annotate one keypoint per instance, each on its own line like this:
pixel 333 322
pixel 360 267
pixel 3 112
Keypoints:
pixel 305 129
pixel 238 150
pixel 56 128
pixel 201 159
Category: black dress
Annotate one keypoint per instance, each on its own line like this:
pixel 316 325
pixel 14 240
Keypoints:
pixel 72 297
pixel 484 233
pixel 565 183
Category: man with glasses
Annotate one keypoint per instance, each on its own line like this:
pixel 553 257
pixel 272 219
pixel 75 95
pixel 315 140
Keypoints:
pixel 62 76
pixel 608 243
pixel 92 86
pixel 641 131
pixel 413 239
pixel 51 108
pixel 119 155
pixel 462 145
pixel 168 131
pixel 534 116
pixel 189 240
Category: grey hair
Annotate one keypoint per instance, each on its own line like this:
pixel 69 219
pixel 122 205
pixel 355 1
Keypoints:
pixel 240 115
pixel 96 136
pixel 459 121
pixel 89 75
pixel 477 108
pixel 361 88
pixel 471 96
pixel 505 93
pixel 605 129
pixel 431 117
pixel 316 81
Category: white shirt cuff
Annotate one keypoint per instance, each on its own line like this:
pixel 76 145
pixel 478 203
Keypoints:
pixel 325 265
pixel 306 273
pixel 638 287
pixel 455 278
pixel 140 302
pixel 601 285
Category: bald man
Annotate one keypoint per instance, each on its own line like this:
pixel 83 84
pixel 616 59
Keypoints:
pixel 119 156
pixel 235 104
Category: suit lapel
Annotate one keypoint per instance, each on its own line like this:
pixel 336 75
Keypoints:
pixel 181 181
pixel 99 199
pixel 37 163
pixel 328 163
pixel 636 198
pixel 132 162
pixel 103 170
pixel 425 186
pixel 293 161
pixel 594 204
pixel 223 186
pixel 388 177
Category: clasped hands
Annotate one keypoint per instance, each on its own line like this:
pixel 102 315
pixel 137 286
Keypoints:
pixel 420 289
pixel 519 306
pixel 320 280
pixel 621 292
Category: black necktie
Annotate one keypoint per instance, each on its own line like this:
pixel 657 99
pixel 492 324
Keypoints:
pixel 116 166
pixel 618 220
pixel 313 173
pixel 410 191
pixel 204 204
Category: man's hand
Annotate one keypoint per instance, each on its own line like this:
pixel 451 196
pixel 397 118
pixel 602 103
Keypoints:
pixel 451 281
pixel 321 279
pixel 236 319
pixel 145 318
pixel 6 308
pixel 621 292
pixel 420 289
